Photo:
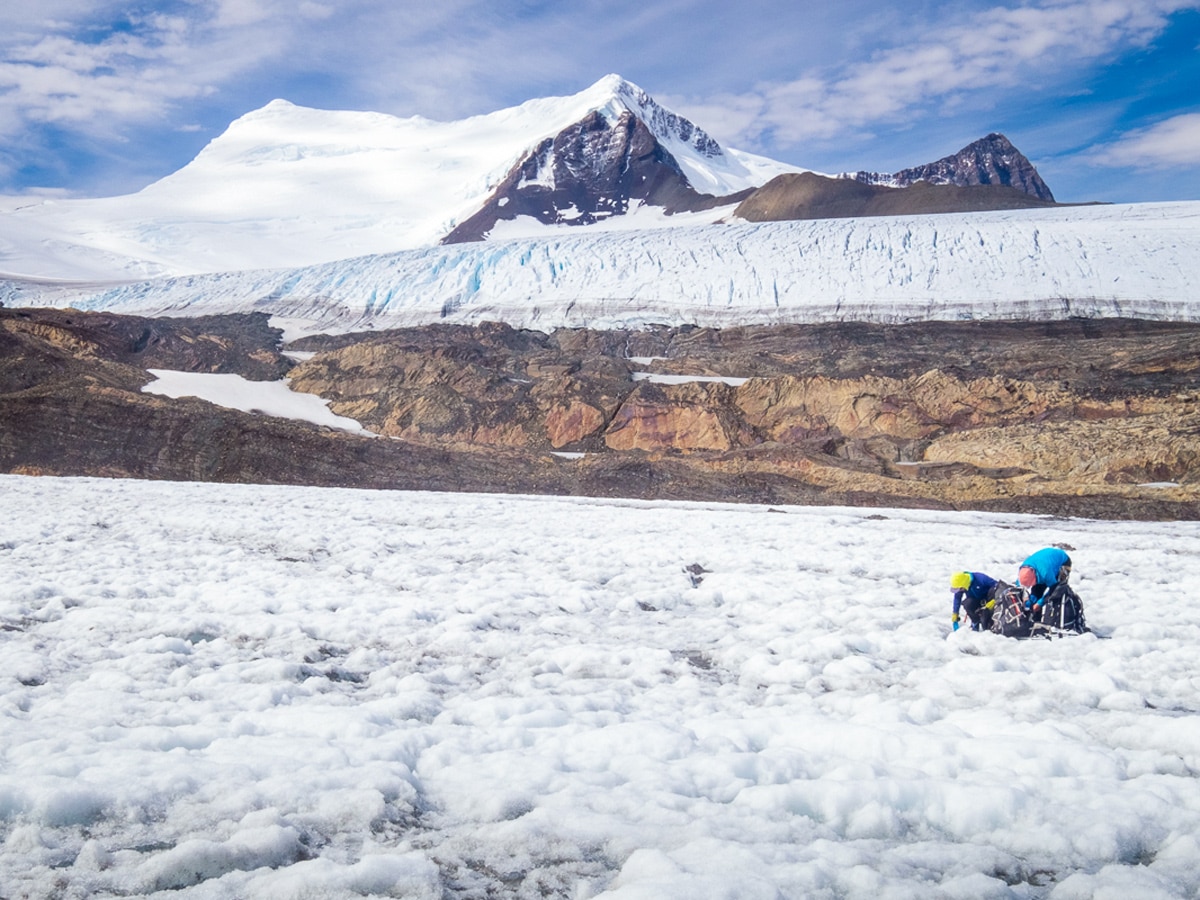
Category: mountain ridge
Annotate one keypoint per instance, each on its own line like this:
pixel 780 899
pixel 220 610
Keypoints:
pixel 952 415
pixel 589 172
pixel 810 196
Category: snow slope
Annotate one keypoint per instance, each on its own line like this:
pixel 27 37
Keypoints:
pixel 245 691
pixel 271 398
pixel 288 186
pixel 1131 260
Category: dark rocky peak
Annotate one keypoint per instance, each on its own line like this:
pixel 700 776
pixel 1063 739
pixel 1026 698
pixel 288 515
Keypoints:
pixel 992 160
pixel 592 170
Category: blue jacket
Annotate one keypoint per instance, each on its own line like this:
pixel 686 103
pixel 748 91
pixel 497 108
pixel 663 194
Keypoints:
pixel 1047 563
pixel 981 586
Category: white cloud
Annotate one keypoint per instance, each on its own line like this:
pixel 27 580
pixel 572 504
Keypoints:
pixel 315 11
pixel 235 13
pixel 988 51
pixel 129 75
pixel 99 70
pixel 1173 143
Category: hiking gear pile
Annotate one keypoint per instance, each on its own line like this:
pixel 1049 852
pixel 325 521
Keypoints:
pixel 1042 604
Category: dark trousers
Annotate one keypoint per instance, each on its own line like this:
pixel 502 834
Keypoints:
pixel 978 612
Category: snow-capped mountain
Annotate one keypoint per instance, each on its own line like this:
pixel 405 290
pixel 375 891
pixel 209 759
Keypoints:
pixel 290 186
pixel 598 209
pixel 626 153
pixel 287 186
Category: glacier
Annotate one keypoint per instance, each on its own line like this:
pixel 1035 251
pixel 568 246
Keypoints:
pixel 1133 260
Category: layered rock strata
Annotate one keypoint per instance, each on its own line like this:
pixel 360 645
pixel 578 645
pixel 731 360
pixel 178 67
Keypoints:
pixel 1081 417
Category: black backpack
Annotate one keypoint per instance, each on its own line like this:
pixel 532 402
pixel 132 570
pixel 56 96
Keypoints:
pixel 1062 613
pixel 1009 617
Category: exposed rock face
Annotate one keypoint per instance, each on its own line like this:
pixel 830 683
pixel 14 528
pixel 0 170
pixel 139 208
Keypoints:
pixel 1154 447
pixel 572 422
pixel 893 411
pixel 603 164
pixel 242 345
pixel 992 160
pixel 71 404
pixel 685 417
pixel 481 385
pixel 1061 417
pixel 588 172
pixel 986 175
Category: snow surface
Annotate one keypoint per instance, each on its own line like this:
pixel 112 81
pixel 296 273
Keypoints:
pixel 1136 260
pixel 639 217
pixel 247 691
pixel 657 378
pixel 286 185
pixel 271 398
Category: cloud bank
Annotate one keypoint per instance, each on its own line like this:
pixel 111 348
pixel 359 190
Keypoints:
pixel 984 52
pixel 81 82
pixel 1166 145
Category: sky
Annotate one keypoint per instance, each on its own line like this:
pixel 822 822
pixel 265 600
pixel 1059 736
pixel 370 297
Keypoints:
pixel 101 98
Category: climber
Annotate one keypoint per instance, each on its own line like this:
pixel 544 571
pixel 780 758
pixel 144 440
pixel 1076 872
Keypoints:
pixel 975 593
pixel 1043 570
pixel 1049 600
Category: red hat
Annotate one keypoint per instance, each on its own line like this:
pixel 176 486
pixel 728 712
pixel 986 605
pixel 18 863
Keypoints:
pixel 1027 577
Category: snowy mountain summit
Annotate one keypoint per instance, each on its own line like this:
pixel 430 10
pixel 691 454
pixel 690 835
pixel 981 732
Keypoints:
pixel 426 178
pixel 626 98
pixel 288 186
pixel 626 152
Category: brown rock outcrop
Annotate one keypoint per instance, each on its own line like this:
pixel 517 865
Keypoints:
pixel 806 195
pixel 1066 417
pixel 1158 447
pixel 486 385
pixel 572 422
pixel 790 409
pixel 245 345
pixel 685 417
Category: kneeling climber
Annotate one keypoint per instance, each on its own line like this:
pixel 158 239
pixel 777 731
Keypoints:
pixel 1049 600
pixel 974 593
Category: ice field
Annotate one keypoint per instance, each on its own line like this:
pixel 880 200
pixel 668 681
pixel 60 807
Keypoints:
pixel 1134 261
pixel 243 691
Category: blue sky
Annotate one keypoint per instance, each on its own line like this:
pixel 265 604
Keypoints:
pixel 101 98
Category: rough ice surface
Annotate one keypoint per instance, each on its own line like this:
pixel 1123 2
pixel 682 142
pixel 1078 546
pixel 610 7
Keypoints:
pixel 246 691
pixel 1137 260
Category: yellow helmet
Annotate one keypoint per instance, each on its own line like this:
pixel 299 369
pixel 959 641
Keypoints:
pixel 960 581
